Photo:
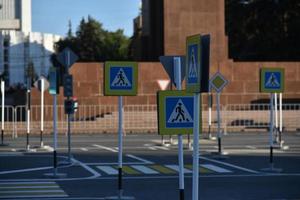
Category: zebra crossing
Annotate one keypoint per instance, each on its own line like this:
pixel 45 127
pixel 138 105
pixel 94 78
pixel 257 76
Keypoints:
pixel 155 169
pixel 13 190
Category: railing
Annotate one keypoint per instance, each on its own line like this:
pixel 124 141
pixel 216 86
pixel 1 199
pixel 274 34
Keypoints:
pixel 143 118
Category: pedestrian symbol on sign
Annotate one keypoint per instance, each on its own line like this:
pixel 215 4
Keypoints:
pixel 121 79
pixel 272 80
pixel 193 67
pixel 180 114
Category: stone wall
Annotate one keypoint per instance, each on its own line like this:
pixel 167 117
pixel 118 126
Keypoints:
pixel 243 84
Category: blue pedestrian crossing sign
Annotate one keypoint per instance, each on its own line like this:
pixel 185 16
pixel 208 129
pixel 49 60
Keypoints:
pixel 175 112
pixel 272 80
pixel 193 63
pixel 120 79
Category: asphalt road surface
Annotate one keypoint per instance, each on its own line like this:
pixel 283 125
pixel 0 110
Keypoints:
pixel 150 170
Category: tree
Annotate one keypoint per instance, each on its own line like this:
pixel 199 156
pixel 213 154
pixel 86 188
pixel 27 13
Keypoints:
pixel 93 43
pixel 263 30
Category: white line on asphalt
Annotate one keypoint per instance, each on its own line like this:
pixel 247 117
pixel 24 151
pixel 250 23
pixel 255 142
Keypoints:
pixel 144 169
pixel 31 191
pixel 108 170
pixel 229 165
pixel 29 187
pixel 36 196
pixel 176 168
pixel 6 154
pixel 152 148
pixel 94 172
pixel 105 148
pixel 27 183
pixel 75 198
pixel 139 159
pixel 84 149
pixel 250 147
pixel 215 168
pixel 162 148
pixel 115 163
pixel 25 170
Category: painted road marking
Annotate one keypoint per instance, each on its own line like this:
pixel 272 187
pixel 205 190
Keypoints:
pixel 215 168
pixel 105 148
pixel 201 169
pixel 138 169
pixel 162 148
pixel 108 170
pixel 176 168
pixel 163 169
pixel 144 169
pixel 139 159
pixel 129 170
pixel 25 170
pixel 84 149
pixel 229 165
pixel 30 190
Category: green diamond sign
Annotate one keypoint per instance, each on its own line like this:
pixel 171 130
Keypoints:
pixel 218 82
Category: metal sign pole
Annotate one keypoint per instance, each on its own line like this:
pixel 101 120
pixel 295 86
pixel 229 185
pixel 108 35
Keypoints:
pixel 28 115
pixel 120 145
pixel 177 76
pixel 219 124
pixel 54 135
pixel 276 139
pixel 196 131
pixel 69 136
pixel 2 112
pixel 280 117
pixel 271 130
pixel 209 115
pixel 42 113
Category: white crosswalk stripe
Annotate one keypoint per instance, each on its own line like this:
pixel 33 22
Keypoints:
pixel 176 168
pixel 153 169
pixel 108 170
pixel 215 168
pixel 30 190
pixel 144 169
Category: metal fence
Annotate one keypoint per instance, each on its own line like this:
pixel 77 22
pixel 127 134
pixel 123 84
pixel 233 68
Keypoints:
pixel 143 118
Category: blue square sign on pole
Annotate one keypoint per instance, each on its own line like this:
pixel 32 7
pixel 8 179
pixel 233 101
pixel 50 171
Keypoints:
pixel 175 112
pixel 272 80
pixel 120 79
pixel 193 64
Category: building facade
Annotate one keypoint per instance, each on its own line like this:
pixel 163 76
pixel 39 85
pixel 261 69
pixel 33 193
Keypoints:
pixel 19 45
pixel 15 15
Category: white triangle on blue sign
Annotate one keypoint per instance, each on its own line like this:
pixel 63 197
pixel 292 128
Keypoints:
pixel 272 81
pixel 180 114
pixel 121 79
pixel 192 67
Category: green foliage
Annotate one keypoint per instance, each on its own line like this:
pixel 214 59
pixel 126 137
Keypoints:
pixel 93 43
pixel 263 30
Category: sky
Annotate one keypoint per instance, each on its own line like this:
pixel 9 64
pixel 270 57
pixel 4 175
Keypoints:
pixel 52 16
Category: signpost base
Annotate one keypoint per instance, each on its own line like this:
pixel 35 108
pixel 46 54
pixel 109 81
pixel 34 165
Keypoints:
pixel 220 155
pixel 272 169
pixel 55 175
pixel 280 145
pixel 120 197
pixel 68 161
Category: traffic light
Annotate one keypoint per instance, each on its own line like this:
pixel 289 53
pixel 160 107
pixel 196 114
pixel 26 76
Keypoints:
pixel 53 78
pixel 69 106
pixel 68 85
